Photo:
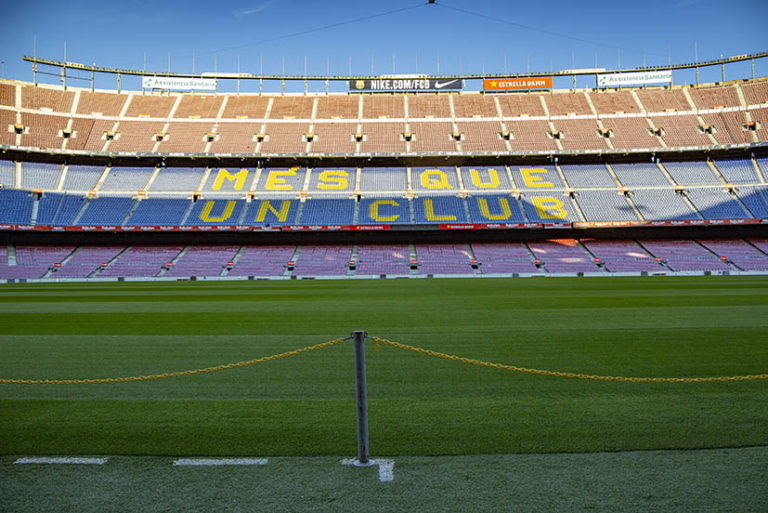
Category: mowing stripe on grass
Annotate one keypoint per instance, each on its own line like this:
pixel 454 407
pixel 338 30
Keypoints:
pixel 209 462
pixel 61 461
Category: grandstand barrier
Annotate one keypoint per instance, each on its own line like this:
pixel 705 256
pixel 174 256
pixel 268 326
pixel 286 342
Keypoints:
pixel 382 227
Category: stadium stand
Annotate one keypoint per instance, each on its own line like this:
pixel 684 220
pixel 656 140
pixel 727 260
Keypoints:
pixel 271 212
pixel 332 181
pixel 7 126
pixel 588 176
pixel 58 209
pixel 685 255
pixel 48 98
pixel 246 106
pixel 432 136
pixel 622 256
pixel 202 261
pixel 663 100
pixel 601 205
pixel 494 208
pixel 100 104
pixel 235 138
pixel 378 259
pixel 150 106
pixel 42 131
pixel 262 261
pixel 737 171
pixel 127 179
pixel 7 95
pixel 7 173
pixel 481 136
pixel 614 102
pixel 291 107
pixel 474 106
pixel 216 212
pixel 440 210
pixel 741 253
pixel 16 206
pixel 383 138
pixel 136 136
pixel 328 211
pixel 485 178
pixel 199 106
pixel 338 137
pixel 569 130
pixel 105 211
pixel 40 176
pixel 338 107
pixel 443 259
pixel 377 106
pixel 285 137
pixel 566 103
pixel 326 260
pixel 141 261
pixel 178 179
pixel 86 261
pixel 640 175
pixel 661 204
pixel 384 210
pixel 714 97
pixel 184 138
pixel 563 256
pixel 689 173
pixel 504 258
pixel 157 212
pixel 755 199
pixel 428 105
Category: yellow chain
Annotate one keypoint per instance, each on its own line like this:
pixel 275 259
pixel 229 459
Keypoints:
pixel 177 374
pixel 560 374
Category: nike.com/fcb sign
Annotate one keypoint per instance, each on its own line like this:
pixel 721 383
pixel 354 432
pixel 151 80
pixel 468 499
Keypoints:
pixel 405 84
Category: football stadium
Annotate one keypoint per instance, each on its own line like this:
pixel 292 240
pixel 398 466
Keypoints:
pixel 483 290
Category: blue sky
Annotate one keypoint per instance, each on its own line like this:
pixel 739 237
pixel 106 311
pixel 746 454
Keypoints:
pixel 404 36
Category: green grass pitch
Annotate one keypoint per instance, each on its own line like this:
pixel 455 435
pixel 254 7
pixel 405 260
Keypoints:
pixel 418 406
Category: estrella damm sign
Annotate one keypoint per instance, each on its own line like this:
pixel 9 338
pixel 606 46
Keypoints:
pixel 517 83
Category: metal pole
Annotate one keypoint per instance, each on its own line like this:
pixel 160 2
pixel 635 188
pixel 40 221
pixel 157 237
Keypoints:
pixel 363 459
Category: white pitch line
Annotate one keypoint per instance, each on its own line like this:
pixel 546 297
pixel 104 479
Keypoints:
pixel 61 461
pixel 209 462
pixel 386 468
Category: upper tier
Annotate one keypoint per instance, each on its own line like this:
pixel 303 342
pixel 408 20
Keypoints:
pixel 78 120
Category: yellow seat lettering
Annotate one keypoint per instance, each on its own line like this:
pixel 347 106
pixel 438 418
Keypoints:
pixel 550 208
pixel 333 180
pixel 435 179
pixel 281 214
pixel 239 178
pixel 276 181
pixel 208 208
pixel 430 208
pixel 532 178
pixel 374 210
pixel 493 176
pixel 506 211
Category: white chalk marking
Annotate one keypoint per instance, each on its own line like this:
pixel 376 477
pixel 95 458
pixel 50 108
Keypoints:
pixel 386 468
pixel 61 461
pixel 208 462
